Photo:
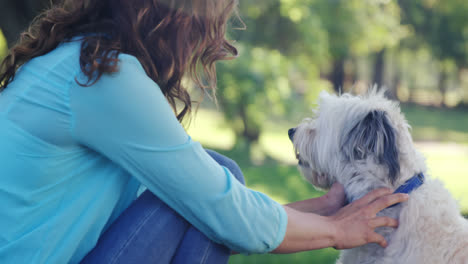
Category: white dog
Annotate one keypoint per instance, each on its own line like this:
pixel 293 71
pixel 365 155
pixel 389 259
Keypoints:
pixel 364 143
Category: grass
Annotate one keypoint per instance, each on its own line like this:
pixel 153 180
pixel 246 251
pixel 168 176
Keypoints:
pixel 441 135
pixel 317 257
pixel 435 124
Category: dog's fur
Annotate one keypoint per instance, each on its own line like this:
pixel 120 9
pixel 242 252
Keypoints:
pixel 363 142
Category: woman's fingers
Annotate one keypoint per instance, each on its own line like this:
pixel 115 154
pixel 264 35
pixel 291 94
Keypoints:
pixel 379 222
pixel 379 239
pixel 389 200
pixel 359 219
pixel 383 221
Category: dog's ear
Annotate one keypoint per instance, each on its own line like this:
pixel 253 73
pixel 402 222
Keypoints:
pixel 373 135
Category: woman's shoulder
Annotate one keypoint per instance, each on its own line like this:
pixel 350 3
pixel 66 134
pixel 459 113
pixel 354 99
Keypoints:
pixel 66 58
pixel 62 61
pixel 130 64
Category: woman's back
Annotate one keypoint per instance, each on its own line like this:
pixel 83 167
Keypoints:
pixel 66 177
pixel 54 192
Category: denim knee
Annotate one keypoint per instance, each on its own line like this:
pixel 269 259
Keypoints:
pixel 229 164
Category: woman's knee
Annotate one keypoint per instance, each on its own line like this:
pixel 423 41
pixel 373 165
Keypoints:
pixel 147 232
pixel 197 248
pixel 230 164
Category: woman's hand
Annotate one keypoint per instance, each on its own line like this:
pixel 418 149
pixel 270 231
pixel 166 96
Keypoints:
pixel 351 226
pixel 327 204
pixel 356 222
pixel 335 199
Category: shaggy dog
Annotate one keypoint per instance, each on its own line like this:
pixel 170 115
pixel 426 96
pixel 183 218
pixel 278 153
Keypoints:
pixel 364 143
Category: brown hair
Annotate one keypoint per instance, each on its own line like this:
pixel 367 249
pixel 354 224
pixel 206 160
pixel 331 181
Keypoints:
pixel 170 38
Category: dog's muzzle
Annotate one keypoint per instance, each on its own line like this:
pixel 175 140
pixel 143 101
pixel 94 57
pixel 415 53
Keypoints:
pixel 291 133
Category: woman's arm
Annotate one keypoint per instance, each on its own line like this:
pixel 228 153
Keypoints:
pixel 125 118
pixel 352 226
pixel 325 205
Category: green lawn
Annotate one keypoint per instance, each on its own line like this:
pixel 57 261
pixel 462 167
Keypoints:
pixel 441 135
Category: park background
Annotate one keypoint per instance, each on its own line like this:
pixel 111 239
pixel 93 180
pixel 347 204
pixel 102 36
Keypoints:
pixel 290 50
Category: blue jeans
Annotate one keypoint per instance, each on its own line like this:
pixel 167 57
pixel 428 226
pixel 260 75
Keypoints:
pixel 151 232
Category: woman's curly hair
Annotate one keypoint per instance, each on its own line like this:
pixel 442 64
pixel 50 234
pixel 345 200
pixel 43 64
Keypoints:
pixel 170 38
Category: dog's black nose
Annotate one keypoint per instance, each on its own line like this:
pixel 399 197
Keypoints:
pixel 291 133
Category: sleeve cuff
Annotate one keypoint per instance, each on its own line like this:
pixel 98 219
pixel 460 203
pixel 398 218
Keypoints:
pixel 283 223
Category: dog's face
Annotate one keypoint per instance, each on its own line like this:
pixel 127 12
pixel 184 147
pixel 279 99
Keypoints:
pixel 304 138
pixel 349 136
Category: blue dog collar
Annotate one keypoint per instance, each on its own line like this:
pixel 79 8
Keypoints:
pixel 410 185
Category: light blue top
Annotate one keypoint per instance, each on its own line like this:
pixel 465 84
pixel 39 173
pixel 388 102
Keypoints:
pixel 72 159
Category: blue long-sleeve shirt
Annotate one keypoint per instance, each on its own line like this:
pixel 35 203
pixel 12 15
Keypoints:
pixel 72 159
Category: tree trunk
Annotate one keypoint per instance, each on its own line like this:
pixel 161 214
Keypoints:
pixel 443 86
pixel 250 133
pixel 393 89
pixel 379 67
pixel 337 75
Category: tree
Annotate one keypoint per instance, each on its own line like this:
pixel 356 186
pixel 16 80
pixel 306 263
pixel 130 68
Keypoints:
pixel 287 48
pixel 358 28
pixel 259 83
pixel 442 27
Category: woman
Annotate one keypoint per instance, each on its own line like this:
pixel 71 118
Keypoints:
pixel 89 111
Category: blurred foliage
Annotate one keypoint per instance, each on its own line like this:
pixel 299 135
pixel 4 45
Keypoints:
pixel 292 49
pixel 441 25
